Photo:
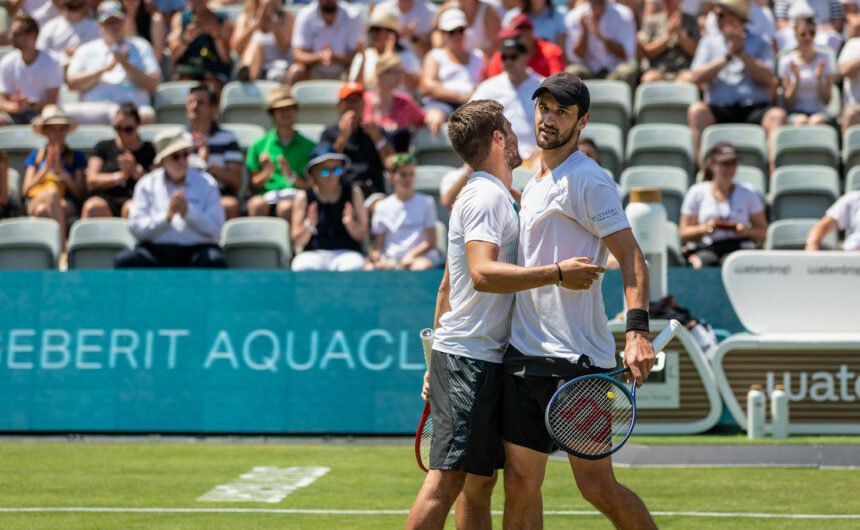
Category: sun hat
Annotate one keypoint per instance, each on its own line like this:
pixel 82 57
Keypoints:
pixel 170 142
pixel 53 115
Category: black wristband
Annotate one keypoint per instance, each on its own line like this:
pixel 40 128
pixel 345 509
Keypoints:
pixel 558 268
pixel 637 320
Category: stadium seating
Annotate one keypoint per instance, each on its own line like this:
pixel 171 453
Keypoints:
pixel 149 132
pixel 85 137
pixel 749 175
pixel 851 147
pixel 790 234
pixel 246 102
pixel 661 145
pixel 672 182
pixel 834 108
pixel 94 243
pixel 664 102
pixel 807 145
pixel 15 181
pixel 170 99
pixel 246 133
pixel 750 141
pixel 317 101
pixel 522 176
pixel 434 150
pixel 256 242
pixel 67 95
pixel 29 243
pixel 674 247
pixel 852 180
pixel 799 192
pixel 442 237
pixel 610 145
pixel 19 141
pixel 427 180
pixel 610 103
pixel 313 131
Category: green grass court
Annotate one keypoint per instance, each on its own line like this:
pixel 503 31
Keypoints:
pixel 372 478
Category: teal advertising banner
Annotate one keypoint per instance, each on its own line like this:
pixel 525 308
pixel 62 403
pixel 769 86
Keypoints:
pixel 223 351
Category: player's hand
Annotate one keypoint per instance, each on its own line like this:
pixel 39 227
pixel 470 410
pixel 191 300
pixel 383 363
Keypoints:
pixel 579 273
pixel 425 390
pixel 639 356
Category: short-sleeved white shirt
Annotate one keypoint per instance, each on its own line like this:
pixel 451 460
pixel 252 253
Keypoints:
pixel 403 223
pixel 41 10
pixel 423 14
pixel 519 108
pixel 33 80
pixel 566 213
pixel 58 34
pixel 311 32
pixel 479 323
pixel 807 100
pixel 850 85
pixel 115 85
pixel 846 213
pixel 617 23
pixel 701 203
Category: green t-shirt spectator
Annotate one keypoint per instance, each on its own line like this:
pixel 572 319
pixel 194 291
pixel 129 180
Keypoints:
pixel 296 153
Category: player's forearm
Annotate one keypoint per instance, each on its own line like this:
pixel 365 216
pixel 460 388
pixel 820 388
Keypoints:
pixel 503 278
pixel 443 298
pixel 634 273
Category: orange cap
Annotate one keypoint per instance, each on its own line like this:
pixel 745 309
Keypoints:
pixel 349 88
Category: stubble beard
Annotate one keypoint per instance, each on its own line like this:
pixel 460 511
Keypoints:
pixel 512 156
pixel 560 141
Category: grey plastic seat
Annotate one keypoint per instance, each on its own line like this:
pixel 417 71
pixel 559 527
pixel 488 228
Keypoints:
pixel 791 234
pixel 806 145
pixel 246 133
pixel 852 180
pixel 428 180
pixel 85 137
pixel 29 243
pixel 19 141
pixel 750 140
pixel 317 100
pixel 94 243
pixel 611 102
pixel 246 102
pixel 149 132
pixel 170 100
pixel 664 102
pixel 749 175
pixel 442 237
pixel 799 192
pixel 661 145
pixel 610 144
pixel 674 247
pixel 15 181
pixel 256 243
pixel 672 182
pixel 435 150
pixel 522 176
pixel 851 147
pixel 313 131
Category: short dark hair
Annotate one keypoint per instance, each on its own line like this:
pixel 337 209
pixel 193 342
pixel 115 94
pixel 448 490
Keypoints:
pixel 29 22
pixel 587 141
pixel 213 97
pixel 471 127
pixel 129 110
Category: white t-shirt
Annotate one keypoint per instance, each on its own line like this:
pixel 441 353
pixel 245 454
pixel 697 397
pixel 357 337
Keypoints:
pixel 311 32
pixel 33 80
pixel 458 77
pixel 115 85
pixel 850 85
pixel 701 203
pixel 478 324
pixel 41 10
pixel 846 213
pixel 422 14
pixel 363 67
pixel 58 34
pixel 617 23
pixel 403 223
pixel 519 108
pixel 807 101
pixel 566 213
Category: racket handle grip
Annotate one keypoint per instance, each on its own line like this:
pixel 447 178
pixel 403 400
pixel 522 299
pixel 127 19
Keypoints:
pixel 426 336
pixel 668 333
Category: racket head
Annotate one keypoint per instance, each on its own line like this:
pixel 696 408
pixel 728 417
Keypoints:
pixel 591 416
pixel 423 436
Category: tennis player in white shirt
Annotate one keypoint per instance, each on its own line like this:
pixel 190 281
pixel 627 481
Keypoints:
pixel 571 208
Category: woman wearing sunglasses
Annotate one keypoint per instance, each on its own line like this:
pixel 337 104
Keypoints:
pixel 116 166
pixel 329 219
pixel 719 215
pixel 807 78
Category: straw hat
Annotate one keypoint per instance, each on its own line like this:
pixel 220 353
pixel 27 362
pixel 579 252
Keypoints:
pixel 381 18
pixel 279 98
pixel 53 115
pixel 169 142
pixel 738 7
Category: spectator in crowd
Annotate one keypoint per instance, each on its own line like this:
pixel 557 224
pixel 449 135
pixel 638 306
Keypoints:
pixel 392 110
pixel 176 214
pixel 760 21
pixel 719 215
pixel 41 10
pixel 404 223
pixel 115 167
pixel 482 24
pixel 852 18
pixel 589 149
pixel 807 78
pixel 737 69
pixel 450 73
pixel 362 141
pixel 261 38
pixel 844 215
pixel 601 41
pixel 276 161
pixel 828 14
pixel 325 39
pixel 547 20
pixel 668 41
pixel 168 8
pixel 849 69
pixel 514 88
pixel 416 18
pixel 329 219
pixel 112 70
pixel 29 79
pixel 216 150
pixel 54 176
pixel 452 184
pixel 199 43
pixel 383 29
pixel 143 20
pixel 4 184
pixel 63 34
pixel 544 57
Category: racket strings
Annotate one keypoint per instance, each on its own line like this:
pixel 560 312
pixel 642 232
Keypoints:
pixel 591 416
pixel 426 437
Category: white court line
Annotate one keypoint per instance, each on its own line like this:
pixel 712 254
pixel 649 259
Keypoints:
pixel 405 512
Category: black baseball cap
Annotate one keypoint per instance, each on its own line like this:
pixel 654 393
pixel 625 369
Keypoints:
pixel 567 89
pixel 513 44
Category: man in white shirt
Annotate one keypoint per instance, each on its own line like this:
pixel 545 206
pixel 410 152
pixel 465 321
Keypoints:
pixel 325 38
pixel 473 312
pixel 572 208
pixel 849 68
pixel 844 215
pixel 416 22
pixel 601 41
pixel 29 79
pixel 513 88
pixel 63 34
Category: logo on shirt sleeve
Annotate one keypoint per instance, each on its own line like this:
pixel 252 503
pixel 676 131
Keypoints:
pixel 604 215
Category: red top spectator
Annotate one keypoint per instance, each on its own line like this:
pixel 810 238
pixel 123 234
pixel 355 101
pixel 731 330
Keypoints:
pixel 546 58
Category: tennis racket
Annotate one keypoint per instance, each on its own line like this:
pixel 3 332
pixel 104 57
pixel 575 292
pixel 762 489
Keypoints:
pixel 592 416
pixel 425 427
